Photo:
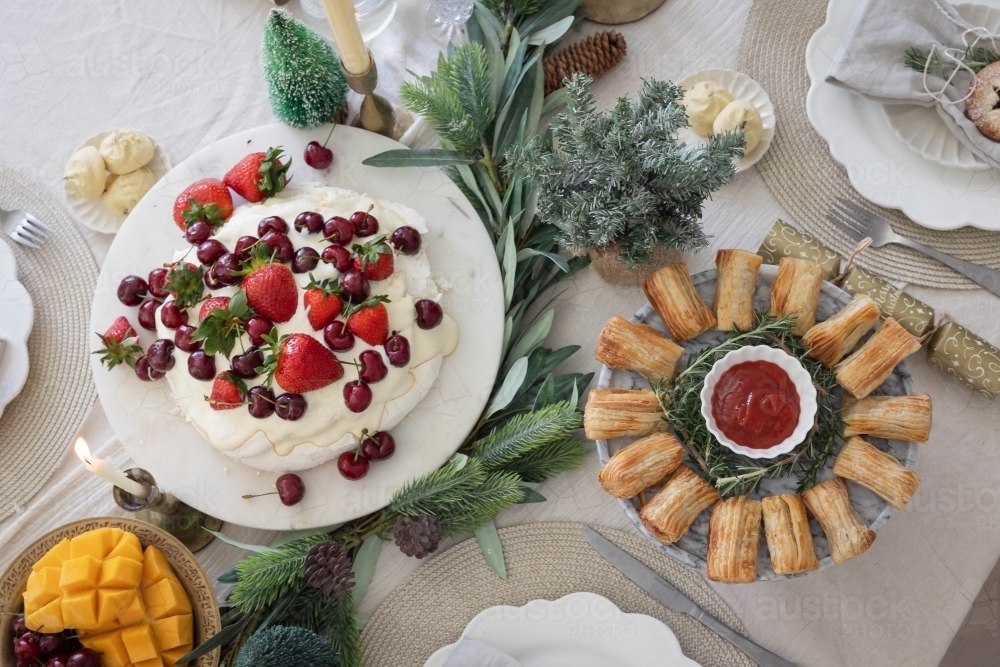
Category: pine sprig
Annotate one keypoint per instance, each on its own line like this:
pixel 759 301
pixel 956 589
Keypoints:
pixel 447 490
pixel 264 577
pixel 331 617
pixel 498 491
pixel 975 58
pixel 526 432
pixel 550 460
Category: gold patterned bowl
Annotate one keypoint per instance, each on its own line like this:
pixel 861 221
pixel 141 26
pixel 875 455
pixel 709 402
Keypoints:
pixel 186 567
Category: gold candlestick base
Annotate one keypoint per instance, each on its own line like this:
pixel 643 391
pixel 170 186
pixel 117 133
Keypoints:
pixel 376 114
pixel 167 512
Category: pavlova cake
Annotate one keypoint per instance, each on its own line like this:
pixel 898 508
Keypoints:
pixel 294 329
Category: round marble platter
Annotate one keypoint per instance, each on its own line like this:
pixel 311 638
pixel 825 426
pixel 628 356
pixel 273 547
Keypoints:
pixel 158 437
pixel 692 548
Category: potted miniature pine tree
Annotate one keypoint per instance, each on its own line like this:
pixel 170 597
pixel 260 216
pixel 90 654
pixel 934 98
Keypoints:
pixel 619 185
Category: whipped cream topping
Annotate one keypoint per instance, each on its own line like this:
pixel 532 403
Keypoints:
pixel 327 428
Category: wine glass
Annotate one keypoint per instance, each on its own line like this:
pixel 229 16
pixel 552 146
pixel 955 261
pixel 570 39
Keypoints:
pixel 450 16
pixel 373 16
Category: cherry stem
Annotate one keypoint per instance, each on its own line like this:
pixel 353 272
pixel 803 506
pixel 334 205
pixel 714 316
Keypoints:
pixel 248 496
pixel 329 135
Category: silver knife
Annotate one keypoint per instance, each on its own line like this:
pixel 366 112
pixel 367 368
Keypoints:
pixel 670 597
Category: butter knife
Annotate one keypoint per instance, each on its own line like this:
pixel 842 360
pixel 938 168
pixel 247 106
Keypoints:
pixel 670 597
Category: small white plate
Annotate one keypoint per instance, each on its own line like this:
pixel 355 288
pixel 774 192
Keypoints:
pixel 17 315
pixel 92 212
pixel 579 630
pixel 743 88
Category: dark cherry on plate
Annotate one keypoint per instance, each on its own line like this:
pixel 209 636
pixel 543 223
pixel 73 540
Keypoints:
pixel 352 465
pixel 257 326
pixel 201 365
pixel 397 348
pixel 755 404
pixel 226 268
pixel 132 290
pixel 211 250
pixel 243 246
pixel 338 230
pixel 280 245
pixel 338 337
pixel 84 657
pixel 18 626
pixel 317 155
pixel 272 223
pixel 260 402
pixel 364 223
pixel 147 314
pixel 378 446
pixel 211 281
pixel 172 316
pixel 198 232
pixel 157 279
pixel 182 339
pixel 357 396
pixel 304 260
pixel 309 222
pixel 290 488
pixel 290 407
pixel 144 371
pixel 429 313
pixel 245 365
pixel 372 367
pixel 355 285
pixel 337 255
pixel 161 355
pixel 27 650
pixel 406 240
pixel 51 644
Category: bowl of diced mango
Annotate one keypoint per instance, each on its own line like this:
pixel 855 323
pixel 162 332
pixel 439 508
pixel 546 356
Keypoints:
pixel 119 588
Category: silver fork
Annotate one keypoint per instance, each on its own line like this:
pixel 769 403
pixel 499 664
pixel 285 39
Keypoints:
pixel 24 228
pixel 858 223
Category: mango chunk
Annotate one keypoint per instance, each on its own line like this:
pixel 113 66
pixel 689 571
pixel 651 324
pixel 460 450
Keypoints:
pixel 139 643
pixel 110 603
pixel 80 573
pixel 174 631
pixel 121 572
pixel 110 646
pixel 96 543
pixel 55 556
pixel 133 613
pixel 43 588
pixel 79 610
pixel 155 567
pixel 47 619
pixel 155 662
pixel 173 655
pixel 128 547
pixel 167 598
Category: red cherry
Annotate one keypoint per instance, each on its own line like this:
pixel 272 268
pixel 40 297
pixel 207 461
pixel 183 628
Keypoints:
pixel 357 396
pixel 57 661
pixel 429 313
pixel 18 627
pixel 157 279
pixel 378 446
pixel 147 314
pixel 280 245
pixel 318 156
pixel 364 223
pixel 182 339
pixel 309 222
pixel 338 337
pixel 52 644
pixel 244 244
pixel 372 367
pixel 397 348
pixel 172 316
pixel 84 657
pixel 290 488
pixel 131 290
pixel 257 326
pixel 211 250
pixel 338 230
pixel 352 465
pixel 26 649
pixel 145 372
pixel 272 223
pixel 337 255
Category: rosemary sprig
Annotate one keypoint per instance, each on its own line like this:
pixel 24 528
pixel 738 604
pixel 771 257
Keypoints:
pixel 731 473
pixel 975 58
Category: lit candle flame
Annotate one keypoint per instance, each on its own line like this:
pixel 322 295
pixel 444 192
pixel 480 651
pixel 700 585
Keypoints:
pixel 82 450
pixel 103 469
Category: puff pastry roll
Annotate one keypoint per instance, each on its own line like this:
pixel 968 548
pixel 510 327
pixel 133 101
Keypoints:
pixel 869 466
pixel 830 341
pixel 795 291
pixel 644 463
pixel 613 413
pixel 865 370
pixel 894 417
pixel 733 534
pixel 639 348
pixel 674 297
pixel 670 513
pixel 789 541
pixel 734 289
pixel 845 532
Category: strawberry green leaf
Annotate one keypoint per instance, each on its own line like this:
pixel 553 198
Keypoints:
pixel 117 352
pixel 273 172
pixel 186 284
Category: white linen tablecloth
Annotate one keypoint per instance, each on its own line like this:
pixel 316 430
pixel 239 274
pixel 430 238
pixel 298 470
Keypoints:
pixel 188 73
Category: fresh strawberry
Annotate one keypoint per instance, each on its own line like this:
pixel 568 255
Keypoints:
pixel 369 320
pixel 186 283
pixel 228 392
pixel 374 258
pixel 259 175
pixel 300 363
pixel 322 302
pixel 271 288
pixel 117 344
pixel 207 199
pixel 216 302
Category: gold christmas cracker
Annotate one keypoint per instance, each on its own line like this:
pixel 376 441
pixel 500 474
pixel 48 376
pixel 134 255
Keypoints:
pixel 913 315
pixel 965 356
pixel 783 240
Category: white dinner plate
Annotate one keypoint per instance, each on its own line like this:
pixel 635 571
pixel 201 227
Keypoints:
pixel 17 315
pixel 579 630
pixel 880 166
pixel 146 419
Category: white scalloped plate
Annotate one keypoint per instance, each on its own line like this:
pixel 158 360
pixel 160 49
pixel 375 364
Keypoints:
pixel 92 212
pixel 17 315
pixel 578 630
pixel 922 129
pixel 743 88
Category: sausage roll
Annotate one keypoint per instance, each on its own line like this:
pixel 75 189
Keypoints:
pixel 670 513
pixel 864 463
pixel 644 463
pixel 733 534
pixel 830 341
pixel 639 348
pixel 845 532
pixel 674 297
pixel 865 370
pixel 734 289
pixel 795 292
pixel 789 540
pixel 612 413
pixel 894 417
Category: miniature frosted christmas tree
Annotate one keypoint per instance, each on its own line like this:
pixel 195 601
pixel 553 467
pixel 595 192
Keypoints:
pixel 304 81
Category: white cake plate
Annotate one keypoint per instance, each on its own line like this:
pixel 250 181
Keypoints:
pixel 17 315
pixel 160 440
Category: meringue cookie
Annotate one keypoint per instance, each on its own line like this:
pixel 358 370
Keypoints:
pixel 703 101
pixel 740 115
pixel 124 151
pixel 85 173
pixel 124 192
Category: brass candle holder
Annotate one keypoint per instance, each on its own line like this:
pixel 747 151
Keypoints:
pixel 165 511
pixel 377 114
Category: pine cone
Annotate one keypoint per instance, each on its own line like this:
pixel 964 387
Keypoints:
pixel 328 568
pixel 418 535
pixel 594 56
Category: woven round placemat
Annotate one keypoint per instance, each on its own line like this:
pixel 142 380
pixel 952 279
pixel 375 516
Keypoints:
pixel 36 427
pixel 804 177
pixel 544 561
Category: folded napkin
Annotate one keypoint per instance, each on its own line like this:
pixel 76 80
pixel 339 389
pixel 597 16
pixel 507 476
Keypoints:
pixel 472 653
pixel 870 62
